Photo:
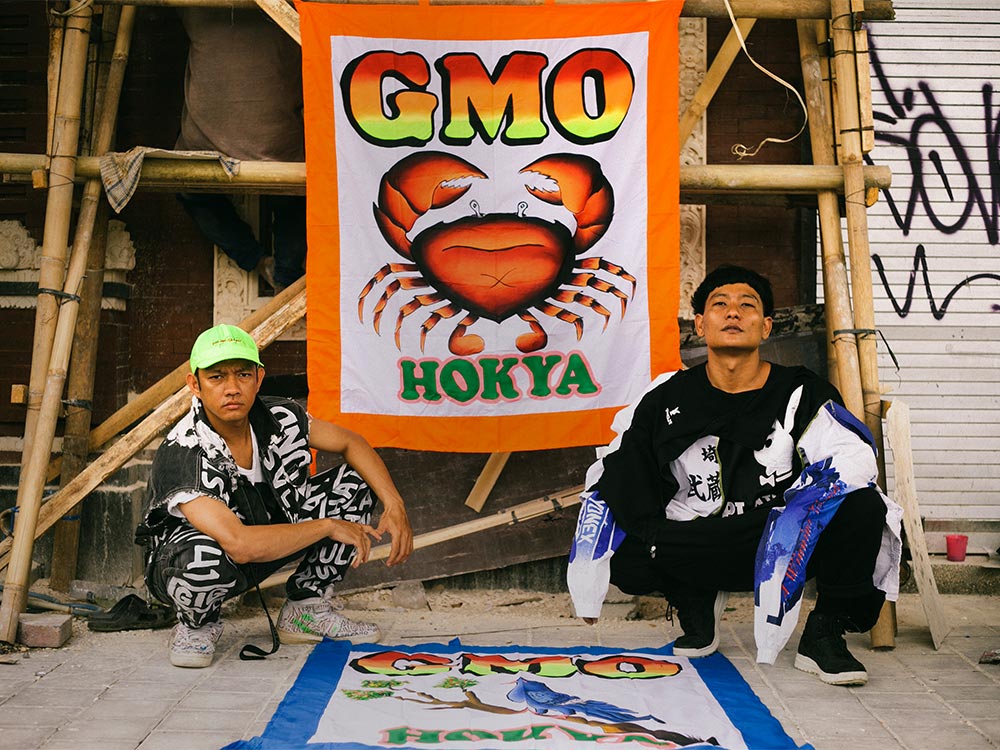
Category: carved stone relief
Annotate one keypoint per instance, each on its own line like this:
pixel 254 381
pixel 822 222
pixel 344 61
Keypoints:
pixel 693 64
pixel 237 293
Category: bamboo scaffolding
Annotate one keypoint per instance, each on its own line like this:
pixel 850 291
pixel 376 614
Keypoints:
pixel 875 10
pixel 172 408
pixel 847 73
pixel 58 207
pixel 79 396
pixel 33 471
pixel 83 357
pixel 837 293
pixel 167 174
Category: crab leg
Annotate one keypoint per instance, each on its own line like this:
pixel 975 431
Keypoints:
pixel 403 282
pixel 598 263
pixel 445 311
pixel 384 271
pixel 421 300
pixel 564 295
pixel 589 279
pixel 462 344
pixel 564 315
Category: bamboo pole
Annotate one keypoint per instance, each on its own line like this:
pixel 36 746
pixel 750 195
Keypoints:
pixel 58 207
pixel 149 399
pixel 875 10
pixel 107 80
pixel 713 78
pixel 837 294
pixel 79 396
pixel 289 177
pixel 851 155
pixel 138 437
pixel 56 28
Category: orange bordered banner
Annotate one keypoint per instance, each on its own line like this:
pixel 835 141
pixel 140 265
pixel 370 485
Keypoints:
pixel 493 202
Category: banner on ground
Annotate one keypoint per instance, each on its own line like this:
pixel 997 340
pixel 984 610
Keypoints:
pixel 493 219
pixel 454 697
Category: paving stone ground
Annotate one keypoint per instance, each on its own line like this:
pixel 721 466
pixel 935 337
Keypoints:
pixel 117 691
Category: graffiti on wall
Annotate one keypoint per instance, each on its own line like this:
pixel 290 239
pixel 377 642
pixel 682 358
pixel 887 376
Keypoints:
pixel 913 114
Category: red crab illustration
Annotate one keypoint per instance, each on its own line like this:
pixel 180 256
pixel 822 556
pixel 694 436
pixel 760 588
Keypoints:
pixel 496 265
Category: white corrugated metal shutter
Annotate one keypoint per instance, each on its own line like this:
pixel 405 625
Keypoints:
pixel 935 243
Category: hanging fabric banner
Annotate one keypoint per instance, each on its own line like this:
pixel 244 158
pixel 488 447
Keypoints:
pixel 492 219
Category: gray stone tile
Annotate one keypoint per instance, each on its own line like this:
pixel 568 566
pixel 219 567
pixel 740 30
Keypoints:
pixel 990 727
pixel 968 693
pixel 204 700
pixel 187 740
pixel 25 738
pixel 952 735
pixel 845 730
pixel 40 718
pixel 902 701
pixel 133 728
pixel 52 697
pixel 105 710
pixel 88 745
pixel 973 709
pixel 208 721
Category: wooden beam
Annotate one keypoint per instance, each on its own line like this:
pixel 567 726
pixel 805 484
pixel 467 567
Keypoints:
pixel 284 15
pixel 897 430
pixel 487 478
pixel 875 10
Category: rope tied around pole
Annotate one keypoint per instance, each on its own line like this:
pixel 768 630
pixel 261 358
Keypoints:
pixel 863 333
pixel 60 295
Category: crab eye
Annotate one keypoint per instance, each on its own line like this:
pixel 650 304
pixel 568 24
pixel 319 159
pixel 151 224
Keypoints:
pixel 522 209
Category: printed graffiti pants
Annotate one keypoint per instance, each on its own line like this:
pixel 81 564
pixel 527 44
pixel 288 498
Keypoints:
pixel 717 554
pixel 191 571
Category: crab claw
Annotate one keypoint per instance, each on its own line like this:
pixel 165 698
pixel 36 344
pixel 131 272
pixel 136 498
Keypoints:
pixel 412 187
pixel 582 188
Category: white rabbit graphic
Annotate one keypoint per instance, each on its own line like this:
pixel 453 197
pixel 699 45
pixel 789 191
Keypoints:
pixel 779 448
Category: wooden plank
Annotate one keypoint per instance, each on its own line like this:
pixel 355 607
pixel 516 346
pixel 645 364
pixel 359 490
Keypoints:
pixel 284 15
pixel 487 478
pixel 897 416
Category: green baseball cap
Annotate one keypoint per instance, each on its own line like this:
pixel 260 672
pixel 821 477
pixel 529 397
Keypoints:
pixel 221 343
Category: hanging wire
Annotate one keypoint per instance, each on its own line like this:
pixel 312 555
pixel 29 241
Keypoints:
pixel 739 149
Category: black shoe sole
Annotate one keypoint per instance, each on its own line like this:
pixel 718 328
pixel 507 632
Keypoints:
pixel 857 677
pixel 694 653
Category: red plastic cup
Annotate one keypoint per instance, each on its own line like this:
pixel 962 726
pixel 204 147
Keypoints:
pixel 957 544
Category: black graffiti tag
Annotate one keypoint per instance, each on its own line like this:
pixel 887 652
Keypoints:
pixel 962 188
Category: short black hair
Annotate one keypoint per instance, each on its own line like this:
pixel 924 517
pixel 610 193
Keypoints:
pixel 730 274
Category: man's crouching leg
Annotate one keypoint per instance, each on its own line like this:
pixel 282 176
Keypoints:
pixel 191 572
pixel 847 600
pixel 308 615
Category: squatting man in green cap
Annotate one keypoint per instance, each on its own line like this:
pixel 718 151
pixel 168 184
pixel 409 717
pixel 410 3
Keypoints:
pixel 230 500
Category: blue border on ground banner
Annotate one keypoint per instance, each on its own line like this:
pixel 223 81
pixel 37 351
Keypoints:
pixel 297 717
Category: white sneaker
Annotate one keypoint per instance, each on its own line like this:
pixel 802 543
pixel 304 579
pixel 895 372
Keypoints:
pixel 194 647
pixel 312 620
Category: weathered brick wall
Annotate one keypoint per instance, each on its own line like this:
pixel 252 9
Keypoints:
pixel 748 107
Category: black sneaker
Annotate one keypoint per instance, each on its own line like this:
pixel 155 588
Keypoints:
pixel 823 652
pixel 699 614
